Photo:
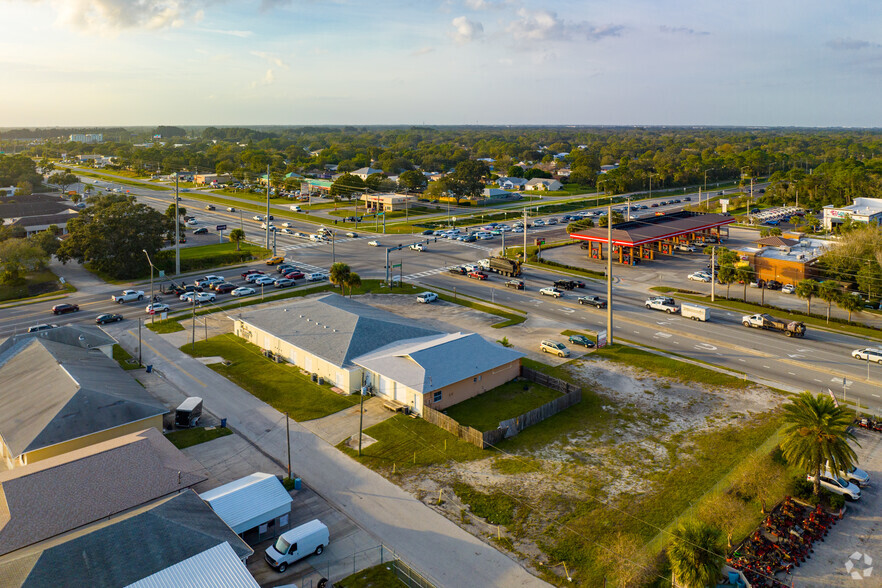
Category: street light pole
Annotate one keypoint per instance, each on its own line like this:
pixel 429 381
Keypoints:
pixel 177 232
pixel 267 207
pixel 153 315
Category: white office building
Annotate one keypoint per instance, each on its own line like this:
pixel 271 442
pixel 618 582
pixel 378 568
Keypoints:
pixel 862 210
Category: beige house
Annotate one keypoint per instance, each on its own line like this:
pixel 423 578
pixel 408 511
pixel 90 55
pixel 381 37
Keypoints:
pixel 59 391
pixel 353 345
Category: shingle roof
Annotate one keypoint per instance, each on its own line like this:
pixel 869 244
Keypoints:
pixel 125 548
pixel 217 567
pixel 430 363
pixel 33 205
pixel 51 392
pixel 85 336
pixel 335 328
pixel 776 241
pixel 53 496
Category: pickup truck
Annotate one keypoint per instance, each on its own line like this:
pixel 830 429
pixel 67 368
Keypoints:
pixel 766 321
pixel 663 303
pixel 593 301
pixel 128 296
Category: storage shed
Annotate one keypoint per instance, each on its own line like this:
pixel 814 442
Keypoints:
pixel 256 501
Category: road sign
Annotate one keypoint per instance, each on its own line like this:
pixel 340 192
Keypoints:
pixel 397 265
pixel 161 274
pixel 221 228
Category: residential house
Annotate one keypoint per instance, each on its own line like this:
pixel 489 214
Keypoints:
pixel 37 212
pixel 364 172
pixel 507 183
pixel 543 184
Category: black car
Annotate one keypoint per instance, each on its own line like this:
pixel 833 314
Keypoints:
pixel 224 288
pixel 103 319
pixel 565 284
pixel 516 284
pixel 201 231
pixel 178 290
pixel 773 285
pixel 65 308
pixel 457 270
pixel 428 232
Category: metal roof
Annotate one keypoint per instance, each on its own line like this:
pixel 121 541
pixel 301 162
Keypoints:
pixel 335 328
pixel 430 363
pixel 242 501
pixel 53 496
pixel 218 567
pixel 51 392
pixel 654 228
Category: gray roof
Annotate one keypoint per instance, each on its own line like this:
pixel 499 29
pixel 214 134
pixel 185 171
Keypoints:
pixel 217 567
pixel 51 392
pixel 431 363
pixel 85 336
pixel 125 548
pixel 33 205
pixel 335 328
pixel 55 495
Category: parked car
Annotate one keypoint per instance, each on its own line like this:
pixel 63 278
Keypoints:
pixel 554 347
pixel 551 291
pixel 788 289
pixel 700 277
pixel 243 291
pixel 477 275
pixel 291 546
pixel 103 319
pixel 65 308
pixel 773 285
pixel 581 340
pixel 837 485
pixel 427 297
pixel 516 284
pixel 855 475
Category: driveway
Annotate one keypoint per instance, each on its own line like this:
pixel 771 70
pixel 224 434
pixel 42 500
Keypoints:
pixel 435 546
pixel 860 532
pixel 340 426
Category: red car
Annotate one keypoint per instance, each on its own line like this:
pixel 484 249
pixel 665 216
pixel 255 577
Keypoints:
pixel 247 273
pixel 65 308
pixel 224 288
pixel 478 275
pixel 295 275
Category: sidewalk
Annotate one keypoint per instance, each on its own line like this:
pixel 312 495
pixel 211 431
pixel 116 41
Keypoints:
pixel 422 537
pixel 81 278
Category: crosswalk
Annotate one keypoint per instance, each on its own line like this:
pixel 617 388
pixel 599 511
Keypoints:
pixel 431 272
pixel 308 244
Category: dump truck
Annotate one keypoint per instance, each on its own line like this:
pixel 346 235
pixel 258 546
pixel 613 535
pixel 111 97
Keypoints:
pixel 506 267
pixel 767 321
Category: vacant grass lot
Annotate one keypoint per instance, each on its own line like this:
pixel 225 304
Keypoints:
pixel 280 385
pixel 189 437
pixel 209 256
pixel 379 576
pixel 485 411
pixel 41 283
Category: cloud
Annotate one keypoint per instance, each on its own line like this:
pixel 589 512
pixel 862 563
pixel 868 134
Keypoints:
pixel 543 25
pixel 485 4
pixel 268 78
pixel 466 30
pixel 422 51
pixel 232 33
pixel 113 15
pixel 273 59
pixel 681 30
pixel 847 44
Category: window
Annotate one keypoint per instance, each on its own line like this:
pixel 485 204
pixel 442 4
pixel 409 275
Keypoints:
pixel 436 397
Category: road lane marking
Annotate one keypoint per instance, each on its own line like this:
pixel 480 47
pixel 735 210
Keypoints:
pixel 791 373
pixel 664 335
pixel 741 360
pixel 705 347
pixel 877 396
pixel 817 380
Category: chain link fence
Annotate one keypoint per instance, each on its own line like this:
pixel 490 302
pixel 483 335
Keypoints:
pixel 325 574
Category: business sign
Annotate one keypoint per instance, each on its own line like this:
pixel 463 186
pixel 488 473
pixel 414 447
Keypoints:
pixel 601 338
pixel 725 204
pixel 221 228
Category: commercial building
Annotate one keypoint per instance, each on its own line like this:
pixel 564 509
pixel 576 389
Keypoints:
pixel 785 260
pixel 862 210
pixel 353 345
pixel 37 212
pixel 387 202
pixel 642 239
pixel 87 138
pixel 59 392
pixel 208 179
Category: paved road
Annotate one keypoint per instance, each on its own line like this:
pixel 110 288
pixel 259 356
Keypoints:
pixel 434 545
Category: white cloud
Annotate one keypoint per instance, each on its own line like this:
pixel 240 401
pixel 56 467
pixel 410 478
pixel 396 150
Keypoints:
pixel 466 30
pixel 543 25
pixel 848 44
pixel 112 15
pixel 273 59
pixel 485 4
pixel 422 51
pixel 681 30
pixel 268 78
pixel 231 33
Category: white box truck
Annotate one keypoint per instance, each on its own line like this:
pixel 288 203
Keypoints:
pixel 294 545
pixel 695 312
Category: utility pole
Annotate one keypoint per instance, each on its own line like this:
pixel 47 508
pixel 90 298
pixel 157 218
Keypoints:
pixel 267 208
pixel 288 437
pixel 140 363
pixel 713 272
pixel 177 233
pixel 360 419
pixel 609 302
pixel 333 251
pixel 193 324
pixel 153 315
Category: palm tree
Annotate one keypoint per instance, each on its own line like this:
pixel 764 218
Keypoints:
pixel 237 235
pixel 807 289
pixel 695 555
pixel 744 275
pixel 339 274
pixel 828 292
pixel 353 281
pixel 727 276
pixel 816 434
pixel 850 303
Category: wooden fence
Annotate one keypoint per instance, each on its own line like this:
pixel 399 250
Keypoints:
pixel 511 427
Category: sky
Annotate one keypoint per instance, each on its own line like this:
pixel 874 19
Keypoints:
pixel 423 62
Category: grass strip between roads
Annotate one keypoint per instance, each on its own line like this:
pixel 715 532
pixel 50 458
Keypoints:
pixel 122 357
pixel 281 385
pixel 190 437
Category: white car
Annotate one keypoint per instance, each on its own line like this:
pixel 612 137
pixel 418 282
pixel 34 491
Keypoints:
pixel 263 281
pixel 868 354
pixel 286 225
pixel 427 297
pixel 287 232
pixel 257 217
pixel 301 235
pixel 199 296
pixel 482 236
pixel 418 247
pixel 684 247
pixel 699 277
pixel 837 485
pixel 788 289
pixel 243 291
pixel 855 475
pixel 192 222
pixel 518 230
pixel 156 307
pixel 374 243
pixel 551 291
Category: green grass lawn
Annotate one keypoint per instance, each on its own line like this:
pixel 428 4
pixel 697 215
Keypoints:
pixel 189 437
pixel 163 327
pixel 122 356
pixel 485 411
pixel 379 576
pixel 406 443
pixel 667 367
pixel 209 256
pixel 40 283
pixel 280 385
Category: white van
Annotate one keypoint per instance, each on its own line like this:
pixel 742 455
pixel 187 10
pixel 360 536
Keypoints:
pixel 295 208
pixel 294 545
